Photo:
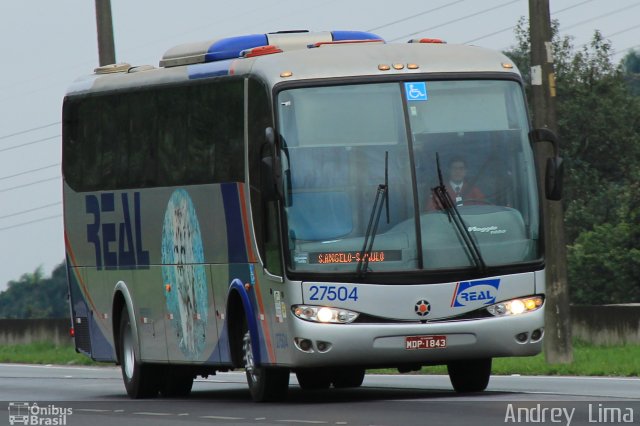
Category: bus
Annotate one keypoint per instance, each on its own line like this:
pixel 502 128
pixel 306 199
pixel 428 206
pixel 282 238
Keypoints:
pixel 279 203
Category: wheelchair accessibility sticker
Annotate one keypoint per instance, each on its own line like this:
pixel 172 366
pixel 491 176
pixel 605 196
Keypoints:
pixel 416 91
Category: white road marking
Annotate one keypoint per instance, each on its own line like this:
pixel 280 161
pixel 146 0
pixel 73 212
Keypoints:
pixel 222 418
pixel 93 410
pixel 150 413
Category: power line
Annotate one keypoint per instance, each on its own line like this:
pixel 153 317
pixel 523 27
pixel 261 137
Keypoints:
pixel 29 130
pixel 415 15
pixel 20 213
pixel 29 171
pixel 29 184
pixel 29 143
pixel 601 16
pixel 622 31
pixel 606 36
pixel 571 7
pixel 513 26
pixel 626 49
pixel 17 225
pixel 457 19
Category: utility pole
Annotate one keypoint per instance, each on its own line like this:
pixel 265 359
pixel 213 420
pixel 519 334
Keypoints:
pixel 106 47
pixel 557 343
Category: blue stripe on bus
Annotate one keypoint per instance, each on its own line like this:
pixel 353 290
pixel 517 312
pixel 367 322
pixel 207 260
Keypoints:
pixel 212 69
pixel 236 249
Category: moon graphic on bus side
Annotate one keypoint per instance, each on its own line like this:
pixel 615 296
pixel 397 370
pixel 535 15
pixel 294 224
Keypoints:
pixel 183 270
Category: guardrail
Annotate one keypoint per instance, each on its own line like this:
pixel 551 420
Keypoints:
pixel 25 331
pixel 600 325
pixel 606 325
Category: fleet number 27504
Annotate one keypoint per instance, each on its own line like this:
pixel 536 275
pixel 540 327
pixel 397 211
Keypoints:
pixel 333 292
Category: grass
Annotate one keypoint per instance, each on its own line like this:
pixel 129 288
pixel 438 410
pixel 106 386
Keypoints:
pixel 588 360
pixel 43 353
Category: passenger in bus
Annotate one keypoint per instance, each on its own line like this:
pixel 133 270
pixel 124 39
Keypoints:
pixel 461 191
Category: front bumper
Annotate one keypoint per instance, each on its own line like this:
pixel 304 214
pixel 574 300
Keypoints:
pixel 384 345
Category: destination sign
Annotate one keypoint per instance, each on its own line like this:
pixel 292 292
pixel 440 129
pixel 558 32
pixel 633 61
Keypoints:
pixel 355 256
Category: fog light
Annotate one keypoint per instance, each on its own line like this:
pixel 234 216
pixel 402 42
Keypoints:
pixel 536 334
pixel 304 345
pixel 522 337
pixel 323 346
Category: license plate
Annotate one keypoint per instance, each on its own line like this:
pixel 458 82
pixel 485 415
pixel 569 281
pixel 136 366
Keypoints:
pixel 425 342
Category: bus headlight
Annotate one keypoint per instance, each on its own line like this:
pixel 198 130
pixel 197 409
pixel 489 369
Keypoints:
pixel 516 306
pixel 324 314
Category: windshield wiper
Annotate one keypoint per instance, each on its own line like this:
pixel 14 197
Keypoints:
pixel 445 201
pixel 382 198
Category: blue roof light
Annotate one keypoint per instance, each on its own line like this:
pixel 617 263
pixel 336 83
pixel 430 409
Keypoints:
pixel 353 35
pixel 229 48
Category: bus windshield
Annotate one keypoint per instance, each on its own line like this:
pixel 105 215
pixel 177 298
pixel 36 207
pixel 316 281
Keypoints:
pixel 342 144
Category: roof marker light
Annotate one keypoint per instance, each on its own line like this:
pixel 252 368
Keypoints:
pixel 427 41
pixel 384 67
pixel 507 65
pixel 286 74
pixel 413 66
pixel 398 66
pixel 260 51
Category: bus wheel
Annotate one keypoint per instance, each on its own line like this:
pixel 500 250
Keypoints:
pixel 470 375
pixel 139 379
pixel 176 383
pixel 265 383
pixel 313 378
pixel 348 377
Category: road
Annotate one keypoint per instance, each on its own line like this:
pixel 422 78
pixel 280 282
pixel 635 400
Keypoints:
pixel 95 396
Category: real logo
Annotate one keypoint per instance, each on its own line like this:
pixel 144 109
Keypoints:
pixel 470 293
pixel 422 308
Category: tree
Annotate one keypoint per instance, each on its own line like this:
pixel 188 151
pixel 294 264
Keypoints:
pixel 599 125
pixel 34 296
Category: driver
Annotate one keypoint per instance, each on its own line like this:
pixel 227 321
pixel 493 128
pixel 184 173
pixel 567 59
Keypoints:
pixel 459 189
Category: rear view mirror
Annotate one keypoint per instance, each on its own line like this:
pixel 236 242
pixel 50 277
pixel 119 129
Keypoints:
pixel 553 178
pixel 554 173
pixel 271 173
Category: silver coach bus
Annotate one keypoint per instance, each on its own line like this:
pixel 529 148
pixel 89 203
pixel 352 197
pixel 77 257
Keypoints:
pixel 283 203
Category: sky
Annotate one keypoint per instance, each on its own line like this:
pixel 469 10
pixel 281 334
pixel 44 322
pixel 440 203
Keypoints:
pixel 45 45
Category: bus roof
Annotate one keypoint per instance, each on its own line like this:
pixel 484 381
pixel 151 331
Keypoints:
pixel 292 56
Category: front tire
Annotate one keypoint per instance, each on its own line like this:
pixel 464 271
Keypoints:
pixel 140 380
pixel 265 383
pixel 470 375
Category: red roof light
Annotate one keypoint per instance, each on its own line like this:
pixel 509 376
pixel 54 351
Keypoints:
pixel 260 51
pixel 428 40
